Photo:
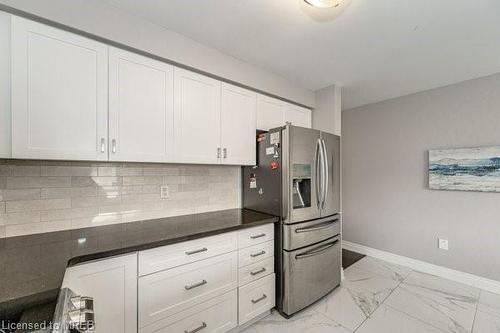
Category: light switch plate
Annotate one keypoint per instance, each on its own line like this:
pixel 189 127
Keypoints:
pixel 443 244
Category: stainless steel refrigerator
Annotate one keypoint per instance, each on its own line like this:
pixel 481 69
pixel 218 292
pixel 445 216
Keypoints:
pixel 297 177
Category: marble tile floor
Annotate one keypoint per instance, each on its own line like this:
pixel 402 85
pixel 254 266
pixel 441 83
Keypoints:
pixel 379 297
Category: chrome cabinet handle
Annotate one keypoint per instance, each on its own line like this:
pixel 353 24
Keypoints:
pixel 196 251
pixel 199 284
pixel 113 146
pixel 253 255
pixel 322 153
pixel 258 236
pixel 224 152
pixel 103 145
pixel 263 297
pixel 197 329
pixel 218 152
pixel 262 270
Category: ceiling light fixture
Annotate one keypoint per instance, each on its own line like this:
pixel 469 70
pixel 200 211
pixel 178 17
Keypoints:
pixel 324 3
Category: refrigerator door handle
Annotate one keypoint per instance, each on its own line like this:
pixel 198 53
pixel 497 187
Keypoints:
pixel 322 168
pixel 318 166
pixel 325 175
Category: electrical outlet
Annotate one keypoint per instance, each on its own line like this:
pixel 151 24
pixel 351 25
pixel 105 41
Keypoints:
pixel 443 244
pixel 164 193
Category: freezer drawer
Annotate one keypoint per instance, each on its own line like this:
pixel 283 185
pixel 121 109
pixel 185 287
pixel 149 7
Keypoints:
pixel 310 273
pixel 303 234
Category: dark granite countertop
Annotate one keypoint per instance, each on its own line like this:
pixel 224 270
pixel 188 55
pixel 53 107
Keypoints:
pixel 32 267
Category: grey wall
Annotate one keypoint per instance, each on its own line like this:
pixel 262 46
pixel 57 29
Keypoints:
pixel 386 201
pixel 102 19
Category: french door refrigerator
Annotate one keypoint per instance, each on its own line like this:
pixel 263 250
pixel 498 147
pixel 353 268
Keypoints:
pixel 297 177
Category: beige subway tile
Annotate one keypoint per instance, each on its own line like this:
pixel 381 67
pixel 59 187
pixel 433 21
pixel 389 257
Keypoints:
pixel 161 171
pixel 131 171
pixel 193 187
pixel 3 219
pixel 95 221
pixel 35 205
pixel 140 180
pixel 151 189
pixel 22 217
pixel 132 189
pixel 36 228
pixel 6 170
pixel 107 171
pixel 174 180
pixel 20 194
pixel 194 170
pixel 85 202
pixel 68 192
pixel 197 179
pixel 3 182
pixel 37 182
pixel 2 207
pixel 109 191
pixel 2 231
pixel 139 198
pixel 95 181
pixel 71 213
pixel 26 170
pixel 68 171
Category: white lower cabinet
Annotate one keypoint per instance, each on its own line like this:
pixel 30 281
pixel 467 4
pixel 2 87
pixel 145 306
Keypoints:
pixel 256 298
pixel 165 293
pixel 219 314
pixel 113 285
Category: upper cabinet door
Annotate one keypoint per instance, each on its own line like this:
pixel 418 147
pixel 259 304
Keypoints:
pixel 197 118
pixel 59 94
pixel 297 116
pixel 238 125
pixel 141 108
pixel 269 112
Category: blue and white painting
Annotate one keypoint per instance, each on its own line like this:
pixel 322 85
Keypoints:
pixel 465 169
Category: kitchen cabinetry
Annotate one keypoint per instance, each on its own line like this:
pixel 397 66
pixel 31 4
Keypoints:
pixel 197 118
pixel 59 94
pixel 238 125
pixel 113 285
pixel 61 86
pixel 297 116
pixel 272 113
pixel 141 108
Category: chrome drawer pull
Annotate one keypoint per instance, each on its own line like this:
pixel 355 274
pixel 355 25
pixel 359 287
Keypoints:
pixel 196 251
pixel 263 297
pixel 197 329
pixel 262 270
pixel 199 284
pixel 316 251
pixel 257 254
pixel 258 236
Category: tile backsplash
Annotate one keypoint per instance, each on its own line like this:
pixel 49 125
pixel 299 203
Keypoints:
pixel 44 196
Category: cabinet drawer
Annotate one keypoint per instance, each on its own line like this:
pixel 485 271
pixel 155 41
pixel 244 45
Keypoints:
pixel 253 254
pixel 168 292
pixel 170 256
pixel 219 314
pixel 255 271
pixel 256 298
pixel 257 235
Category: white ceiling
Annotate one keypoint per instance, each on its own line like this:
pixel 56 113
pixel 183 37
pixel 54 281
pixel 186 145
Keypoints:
pixel 376 49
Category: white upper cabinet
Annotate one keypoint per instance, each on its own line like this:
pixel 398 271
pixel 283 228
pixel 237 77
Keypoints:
pixel 270 112
pixel 5 113
pixel 238 125
pixel 113 285
pixel 59 94
pixel 141 108
pixel 297 116
pixel 197 102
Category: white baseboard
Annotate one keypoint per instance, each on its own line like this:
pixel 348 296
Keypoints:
pixel 422 266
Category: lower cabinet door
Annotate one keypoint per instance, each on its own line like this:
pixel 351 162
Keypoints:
pixel 166 293
pixel 113 285
pixel 256 298
pixel 219 315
